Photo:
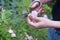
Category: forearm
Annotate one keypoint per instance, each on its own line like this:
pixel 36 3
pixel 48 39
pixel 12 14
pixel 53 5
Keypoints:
pixel 43 1
pixel 46 1
pixel 54 24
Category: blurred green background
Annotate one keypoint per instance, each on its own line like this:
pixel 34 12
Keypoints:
pixel 11 17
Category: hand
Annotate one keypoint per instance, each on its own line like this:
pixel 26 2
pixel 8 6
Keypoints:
pixel 41 22
pixel 36 6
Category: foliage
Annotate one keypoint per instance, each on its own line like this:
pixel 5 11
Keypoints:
pixel 19 24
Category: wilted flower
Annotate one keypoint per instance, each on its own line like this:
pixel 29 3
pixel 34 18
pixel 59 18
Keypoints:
pixel 3 10
pixel 13 35
pixel 10 30
pixel 0 23
pixel 28 37
pixel 34 13
pixel 45 16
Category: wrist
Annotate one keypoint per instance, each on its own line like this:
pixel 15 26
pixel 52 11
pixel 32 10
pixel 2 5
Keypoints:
pixel 50 23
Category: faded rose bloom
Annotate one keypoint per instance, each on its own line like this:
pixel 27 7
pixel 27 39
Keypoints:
pixel 13 35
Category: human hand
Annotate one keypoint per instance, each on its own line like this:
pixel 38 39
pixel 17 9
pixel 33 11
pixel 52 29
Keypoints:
pixel 36 6
pixel 39 22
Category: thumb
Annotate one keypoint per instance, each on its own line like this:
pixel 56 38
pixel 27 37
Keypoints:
pixel 33 18
pixel 30 22
pixel 37 18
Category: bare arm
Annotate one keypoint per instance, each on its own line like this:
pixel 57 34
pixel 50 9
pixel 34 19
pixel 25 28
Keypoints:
pixel 44 23
pixel 46 1
pixel 55 24
pixel 36 5
pixel 43 1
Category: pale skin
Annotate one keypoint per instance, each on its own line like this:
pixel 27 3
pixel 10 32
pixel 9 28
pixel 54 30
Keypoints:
pixel 43 22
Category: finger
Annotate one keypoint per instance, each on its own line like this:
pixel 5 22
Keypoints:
pixel 34 5
pixel 31 22
pixel 31 17
pixel 34 24
pixel 36 18
pixel 41 10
